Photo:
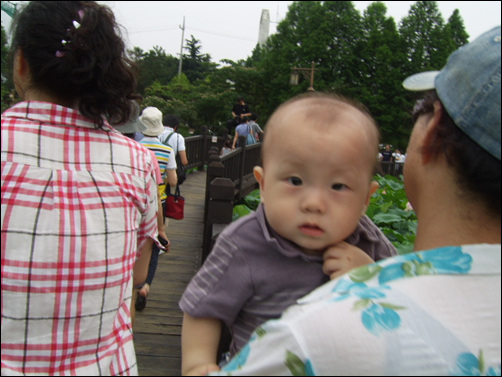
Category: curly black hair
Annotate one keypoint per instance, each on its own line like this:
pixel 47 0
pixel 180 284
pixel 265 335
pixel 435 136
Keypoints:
pixel 75 52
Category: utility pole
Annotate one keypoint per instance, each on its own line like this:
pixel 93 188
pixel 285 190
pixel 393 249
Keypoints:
pixel 181 51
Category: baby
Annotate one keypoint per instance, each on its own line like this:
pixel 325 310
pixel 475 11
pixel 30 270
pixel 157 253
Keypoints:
pixel 319 158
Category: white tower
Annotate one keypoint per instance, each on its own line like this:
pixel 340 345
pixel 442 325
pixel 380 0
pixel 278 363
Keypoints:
pixel 264 26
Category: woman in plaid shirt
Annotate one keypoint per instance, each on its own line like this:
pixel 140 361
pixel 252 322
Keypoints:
pixel 79 199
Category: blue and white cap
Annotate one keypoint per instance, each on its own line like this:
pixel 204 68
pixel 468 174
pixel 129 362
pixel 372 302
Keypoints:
pixel 469 88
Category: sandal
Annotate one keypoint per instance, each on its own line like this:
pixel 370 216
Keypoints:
pixel 140 302
pixel 140 299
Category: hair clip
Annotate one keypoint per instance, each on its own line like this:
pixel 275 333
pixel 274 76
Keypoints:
pixel 76 24
pixel 63 42
pixel 60 54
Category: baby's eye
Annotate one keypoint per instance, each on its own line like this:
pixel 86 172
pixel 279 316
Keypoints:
pixel 338 186
pixel 295 181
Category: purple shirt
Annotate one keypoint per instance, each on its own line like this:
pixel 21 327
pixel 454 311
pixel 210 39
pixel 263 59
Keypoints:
pixel 253 274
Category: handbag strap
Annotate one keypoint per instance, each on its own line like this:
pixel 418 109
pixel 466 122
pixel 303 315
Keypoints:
pixel 177 191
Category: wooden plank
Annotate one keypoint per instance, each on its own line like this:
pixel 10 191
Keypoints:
pixel 157 329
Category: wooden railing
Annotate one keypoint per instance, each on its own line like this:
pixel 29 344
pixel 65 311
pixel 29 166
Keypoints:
pixel 229 179
pixel 391 168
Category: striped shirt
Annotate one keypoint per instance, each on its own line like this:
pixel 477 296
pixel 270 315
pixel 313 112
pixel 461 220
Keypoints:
pixel 164 153
pixel 77 204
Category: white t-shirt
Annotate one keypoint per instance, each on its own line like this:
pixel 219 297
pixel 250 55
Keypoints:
pixel 176 141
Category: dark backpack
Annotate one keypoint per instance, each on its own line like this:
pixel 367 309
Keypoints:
pixel 180 169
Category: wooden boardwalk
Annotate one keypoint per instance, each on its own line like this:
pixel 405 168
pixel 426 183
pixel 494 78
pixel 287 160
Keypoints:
pixel 157 329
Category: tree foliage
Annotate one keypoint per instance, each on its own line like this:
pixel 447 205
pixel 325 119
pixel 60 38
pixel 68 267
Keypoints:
pixel 196 65
pixel 363 56
pixel 7 82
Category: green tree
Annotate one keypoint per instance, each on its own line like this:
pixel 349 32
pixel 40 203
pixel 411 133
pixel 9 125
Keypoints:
pixel 339 62
pixel 155 65
pixel 137 54
pixel 176 97
pixel 7 82
pixel 295 45
pixel 425 38
pixel 365 57
pixel 196 65
pixel 380 55
pixel 455 31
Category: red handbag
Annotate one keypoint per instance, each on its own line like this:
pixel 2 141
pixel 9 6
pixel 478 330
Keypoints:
pixel 174 206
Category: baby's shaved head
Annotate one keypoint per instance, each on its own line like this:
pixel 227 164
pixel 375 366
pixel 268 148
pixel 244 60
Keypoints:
pixel 319 112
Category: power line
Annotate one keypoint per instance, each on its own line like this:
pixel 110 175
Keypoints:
pixel 169 28
pixel 223 35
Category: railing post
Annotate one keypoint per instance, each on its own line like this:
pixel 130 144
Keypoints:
pixel 242 144
pixel 204 147
pixel 215 169
pixel 220 209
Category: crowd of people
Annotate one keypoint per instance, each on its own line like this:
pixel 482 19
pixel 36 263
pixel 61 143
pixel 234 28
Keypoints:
pixel 243 124
pixel 307 284
pixel 391 162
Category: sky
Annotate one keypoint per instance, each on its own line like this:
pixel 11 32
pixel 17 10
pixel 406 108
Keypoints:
pixel 229 29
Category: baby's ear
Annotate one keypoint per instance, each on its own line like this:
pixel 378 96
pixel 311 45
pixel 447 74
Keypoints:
pixel 259 176
pixel 372 189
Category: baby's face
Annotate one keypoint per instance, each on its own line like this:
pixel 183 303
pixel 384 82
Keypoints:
pixel 316 180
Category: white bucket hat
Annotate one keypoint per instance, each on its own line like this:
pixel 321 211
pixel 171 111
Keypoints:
pixel 152 119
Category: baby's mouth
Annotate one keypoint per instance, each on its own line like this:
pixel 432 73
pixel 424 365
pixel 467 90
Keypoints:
pixel 311 230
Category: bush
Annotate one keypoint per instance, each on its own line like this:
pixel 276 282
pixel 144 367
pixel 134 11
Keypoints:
pixel 387 209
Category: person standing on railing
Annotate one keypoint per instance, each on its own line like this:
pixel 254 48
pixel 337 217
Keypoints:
pixel 239 110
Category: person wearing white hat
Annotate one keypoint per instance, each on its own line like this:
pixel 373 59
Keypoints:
pixel 151 117
pixel 435 311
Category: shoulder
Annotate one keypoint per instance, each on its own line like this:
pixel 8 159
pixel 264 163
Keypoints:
pixel 248 224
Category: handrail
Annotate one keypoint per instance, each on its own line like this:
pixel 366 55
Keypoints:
pixel 229 179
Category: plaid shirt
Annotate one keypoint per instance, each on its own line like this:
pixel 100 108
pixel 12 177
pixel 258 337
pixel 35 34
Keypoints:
pixel 77 204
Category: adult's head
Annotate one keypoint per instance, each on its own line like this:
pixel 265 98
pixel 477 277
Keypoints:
pixel 319 157
pixel 171 120
pixel 458 122
pixel 134 124
pixel 151 117
pixel 72 53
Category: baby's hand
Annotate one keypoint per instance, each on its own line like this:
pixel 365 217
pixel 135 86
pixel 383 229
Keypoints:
pixel 343 257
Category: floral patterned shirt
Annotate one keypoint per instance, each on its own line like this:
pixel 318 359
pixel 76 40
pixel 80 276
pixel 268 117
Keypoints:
pixel 434 312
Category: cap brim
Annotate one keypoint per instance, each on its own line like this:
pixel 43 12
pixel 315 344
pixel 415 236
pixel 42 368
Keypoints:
pixel 421 81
